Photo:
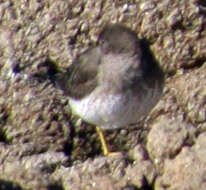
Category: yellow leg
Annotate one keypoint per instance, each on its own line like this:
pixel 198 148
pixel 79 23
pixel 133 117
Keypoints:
pixel 103 141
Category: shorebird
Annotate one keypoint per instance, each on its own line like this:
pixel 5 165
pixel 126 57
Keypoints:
pixel 114 83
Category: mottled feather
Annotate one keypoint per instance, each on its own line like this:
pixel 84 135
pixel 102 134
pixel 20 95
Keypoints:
pixel 80 78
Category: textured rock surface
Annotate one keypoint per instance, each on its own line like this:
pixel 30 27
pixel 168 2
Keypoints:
pixel 42 146
pixel 166 138
pixel 187 169
pixel 113 172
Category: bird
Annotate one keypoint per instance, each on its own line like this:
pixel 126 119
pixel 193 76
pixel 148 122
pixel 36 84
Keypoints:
pixel 114 83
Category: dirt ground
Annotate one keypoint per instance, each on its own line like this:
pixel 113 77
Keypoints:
pixel 44 147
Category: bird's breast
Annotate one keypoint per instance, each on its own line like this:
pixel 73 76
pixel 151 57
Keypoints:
pixel 113 110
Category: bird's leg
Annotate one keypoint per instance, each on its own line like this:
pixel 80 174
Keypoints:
pixel 105 148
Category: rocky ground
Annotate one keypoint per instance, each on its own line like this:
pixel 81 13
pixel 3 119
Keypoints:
pixel 43 146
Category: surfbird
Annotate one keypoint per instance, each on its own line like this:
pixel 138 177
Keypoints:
pixel 114 83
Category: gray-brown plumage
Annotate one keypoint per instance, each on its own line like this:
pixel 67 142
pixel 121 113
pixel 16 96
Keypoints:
pixel 115 83
pixel 81 77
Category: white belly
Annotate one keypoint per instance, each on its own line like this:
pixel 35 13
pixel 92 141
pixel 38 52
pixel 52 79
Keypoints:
pixel 110 111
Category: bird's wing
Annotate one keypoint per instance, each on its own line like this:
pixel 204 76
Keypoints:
pixel 80 78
